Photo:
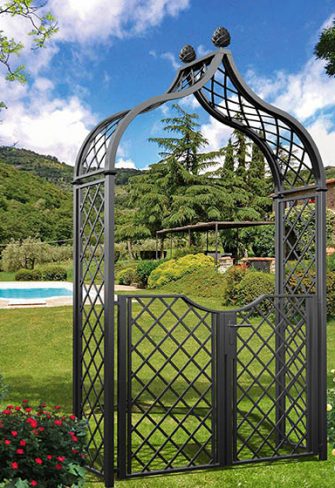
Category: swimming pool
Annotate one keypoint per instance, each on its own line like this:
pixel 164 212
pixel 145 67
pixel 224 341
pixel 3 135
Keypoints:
pixel 29 293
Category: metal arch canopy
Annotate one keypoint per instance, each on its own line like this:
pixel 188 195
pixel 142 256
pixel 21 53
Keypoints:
pixel 214 80
pixel 299 179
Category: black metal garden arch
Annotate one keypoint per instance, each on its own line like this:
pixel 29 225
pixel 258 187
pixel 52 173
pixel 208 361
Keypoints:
pixel 257 389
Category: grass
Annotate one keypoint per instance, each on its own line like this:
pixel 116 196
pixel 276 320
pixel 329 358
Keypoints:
pixel 36 362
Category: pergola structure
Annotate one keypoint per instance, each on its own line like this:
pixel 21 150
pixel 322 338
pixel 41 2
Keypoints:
pixel 215 226
pixel 199 387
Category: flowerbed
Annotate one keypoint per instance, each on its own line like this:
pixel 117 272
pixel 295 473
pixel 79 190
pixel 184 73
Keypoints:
pixel 40 447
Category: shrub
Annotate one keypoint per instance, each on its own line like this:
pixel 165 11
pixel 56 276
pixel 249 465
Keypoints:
pixel 176 268
pixel 144 269
pixel 53 273
pixel 41 447
pixel 184 251
pixel 331 262
pixel 307 285
pixel 200 283
pixel 233 277
pixel 254 284
pixel 126 276
pixel 28 275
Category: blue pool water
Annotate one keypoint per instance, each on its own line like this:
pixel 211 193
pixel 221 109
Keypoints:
pixel 27 293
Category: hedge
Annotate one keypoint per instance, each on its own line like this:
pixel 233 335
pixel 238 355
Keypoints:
pixel 47 273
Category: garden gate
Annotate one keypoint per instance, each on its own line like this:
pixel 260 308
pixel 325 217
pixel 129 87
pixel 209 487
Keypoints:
pixel 198 387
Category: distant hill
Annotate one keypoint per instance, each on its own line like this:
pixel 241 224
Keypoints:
pixel 32 206
pixel 49 168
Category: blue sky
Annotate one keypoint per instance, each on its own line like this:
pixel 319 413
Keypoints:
pixel 113 54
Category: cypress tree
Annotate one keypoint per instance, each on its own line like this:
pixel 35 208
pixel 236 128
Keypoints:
pixel 187 145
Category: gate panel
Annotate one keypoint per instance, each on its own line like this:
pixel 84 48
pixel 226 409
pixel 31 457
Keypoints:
pixel 168 411
pixel 262 370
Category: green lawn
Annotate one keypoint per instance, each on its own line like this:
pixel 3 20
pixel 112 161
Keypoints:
pixel 36 363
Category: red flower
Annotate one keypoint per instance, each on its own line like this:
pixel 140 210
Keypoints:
pixel 59 466
pixel 15 465
pixel 10 407
pixel 73 417
pixel 75 438
pixel 61 459
pixel 33 483
pixel 14 433
pixel 22 442
pixel 38 461
pixel 49 457
pixel 33 423
pixel 7 442
pixel 41 429
pixel 58 422
pixel 24 401
pixel 28 409
pixel 75 451
pixel 6 411
pixel 57 407
pixel 19 451
pixel 18 408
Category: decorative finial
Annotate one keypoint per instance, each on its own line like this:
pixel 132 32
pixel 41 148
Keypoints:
pixel 221 37
pixel 187 54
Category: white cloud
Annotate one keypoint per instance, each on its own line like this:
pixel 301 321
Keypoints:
pixel 172 59
pixel 190 103
pixel 302 94
pixel 39 122
pixel 36 118
pixel 216 134
pixel 125 163
pixel 102 19
pixel 202 51
pixel 323 132
pixel 309 95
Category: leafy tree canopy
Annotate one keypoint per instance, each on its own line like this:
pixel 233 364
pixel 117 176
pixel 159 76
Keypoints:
pixel 325 48
pixel 43 26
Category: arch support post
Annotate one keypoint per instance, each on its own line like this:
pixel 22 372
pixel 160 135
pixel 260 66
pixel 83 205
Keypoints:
pixel 321 243
pixel 109 327
pixel 279 207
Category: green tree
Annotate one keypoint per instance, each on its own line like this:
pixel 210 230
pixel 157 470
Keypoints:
pixel 241 146
pixel 43 26
pixel 258 183
pixel 325 48
pixel 24 254
pixel 187 144
pixel 229 161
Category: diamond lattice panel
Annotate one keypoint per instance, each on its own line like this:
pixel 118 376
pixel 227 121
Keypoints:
pixel 300 245
pixel 94 154
pixel 271 367
pixel 171 387
pixel 224 97
pixel 92 312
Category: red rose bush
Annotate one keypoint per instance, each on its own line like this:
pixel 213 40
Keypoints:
pixel 41 447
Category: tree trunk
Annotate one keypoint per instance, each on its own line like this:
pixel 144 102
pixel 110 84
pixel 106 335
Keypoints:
pixel 130 249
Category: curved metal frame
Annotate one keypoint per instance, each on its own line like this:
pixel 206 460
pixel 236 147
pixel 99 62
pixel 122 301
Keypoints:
pixel 298 177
